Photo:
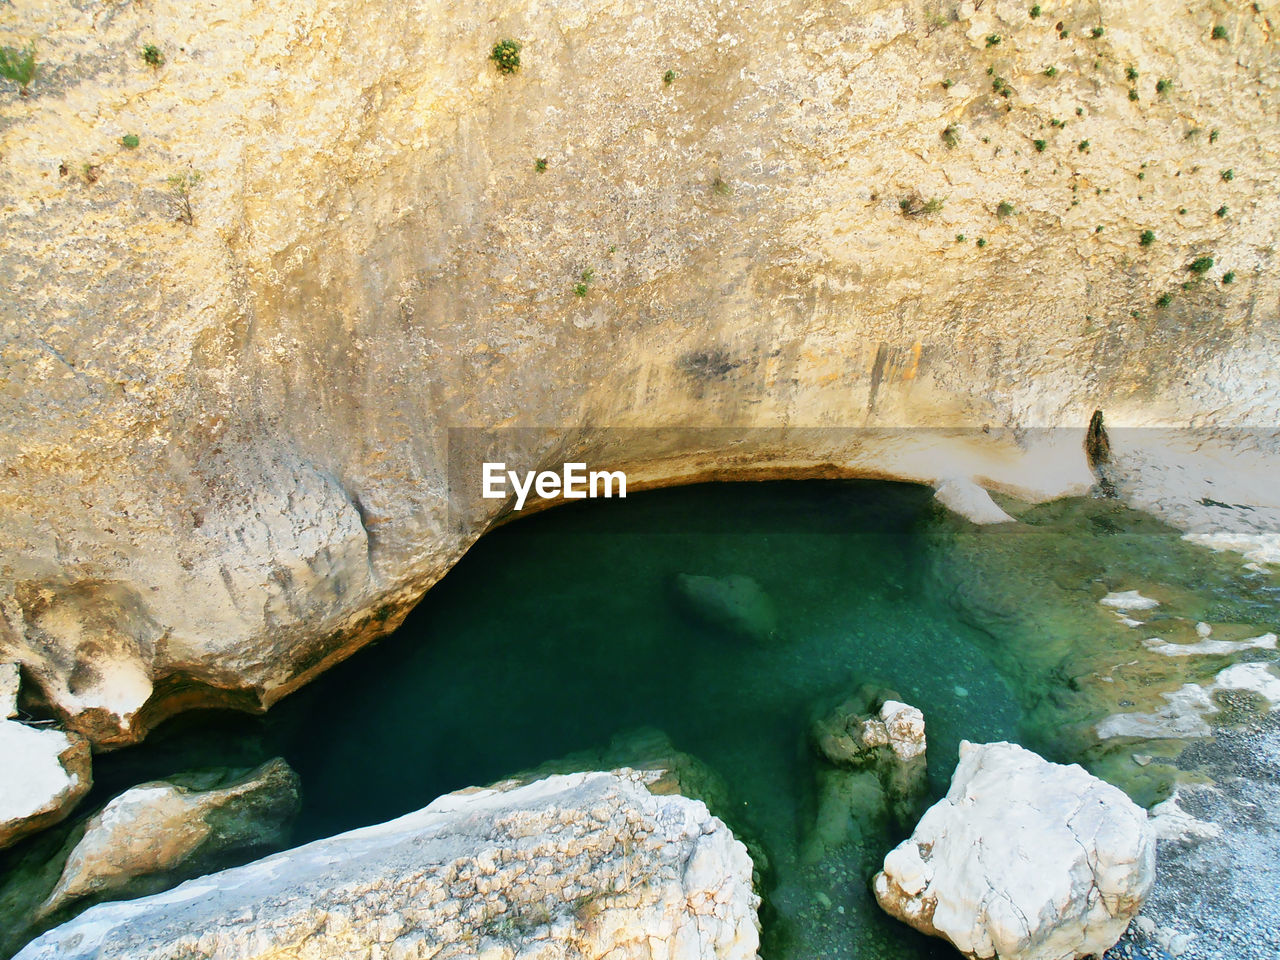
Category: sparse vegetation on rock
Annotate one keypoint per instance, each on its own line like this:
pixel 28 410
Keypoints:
pixel 506 55
pixel 18 64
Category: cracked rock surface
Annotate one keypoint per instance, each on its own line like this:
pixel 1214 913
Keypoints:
pixel 1023 859
pixel 580 866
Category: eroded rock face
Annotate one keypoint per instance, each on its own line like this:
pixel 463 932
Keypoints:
pixel 587 865
pixel 226 442
pixel 1023 859
pixel 46 773
pixel 153 831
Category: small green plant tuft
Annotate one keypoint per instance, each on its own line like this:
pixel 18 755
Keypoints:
pixel 1083 146
pixel 1147 238
pixel 1050 71
pixel 720 187
pixel 1200 265
pixel 540 164
pixel 961 238
pixel 950 136
pixel 1064 33
pixel 1001 86
pixel 1213 136
pixel 669 77
pixel 1133 95
pixel 1164 85
pixel 1165 299
pixel 1034 11
pixel 506 55
pixel 129 140
pixel 1096 32
pixel 152 56
pixel 1221 212
pixel 1130 74
pixel 1005 209
pixel 1079 111
pixel 994 39
pixel 18 64
pixel 948 83
pixel 1060 124
pixel 1229 277
pixel 1219 32
pixel 1040 145
pixel 584 282
pixel 982 241
pixel 180 187
pixel 1228 175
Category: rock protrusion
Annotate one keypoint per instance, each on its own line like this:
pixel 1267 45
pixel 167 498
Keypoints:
pixel 46 773
pixel 156 834
pixel 1023 859
pixel 589 865
pixel 873 771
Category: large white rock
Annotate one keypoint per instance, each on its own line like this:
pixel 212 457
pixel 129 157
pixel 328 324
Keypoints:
pixel 584 865
pixel 1023 859
pixel 43 774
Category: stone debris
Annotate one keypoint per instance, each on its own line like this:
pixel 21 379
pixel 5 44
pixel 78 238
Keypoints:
pixel 1183 717
pixel 587 865
pixel 1128 600
pixel 9 680
pixel 1206 647
pixel 1023 859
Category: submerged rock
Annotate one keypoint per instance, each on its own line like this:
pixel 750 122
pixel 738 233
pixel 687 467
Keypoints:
pixel 588 865
pixel 46 773
pixel 154 834
pixel 736 604
pixel 970 501
pixel 1023 859
pixel 875 747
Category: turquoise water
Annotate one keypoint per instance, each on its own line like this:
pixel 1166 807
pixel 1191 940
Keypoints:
pixel 563 632
pixel 557 633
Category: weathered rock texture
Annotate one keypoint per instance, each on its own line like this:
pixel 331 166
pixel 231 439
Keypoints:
pixel 875 775
pixel 1023 860
pixel 226 444
pixel 155 832
pixel 579 866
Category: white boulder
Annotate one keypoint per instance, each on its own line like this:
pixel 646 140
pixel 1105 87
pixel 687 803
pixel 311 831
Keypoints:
pixel 1022 860
pixel 45 773
pixel 587 865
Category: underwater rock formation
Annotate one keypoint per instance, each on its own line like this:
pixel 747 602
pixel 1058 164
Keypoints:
pixel 156 833
pixel 875 747
pixel 736 604
pixel 588 865
pixel 1023 859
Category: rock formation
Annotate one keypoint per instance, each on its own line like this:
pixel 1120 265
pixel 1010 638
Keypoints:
pixel 227 399
pixel 735 604
pixel 182 827
pixel 874 748
pixel 46 771
pixel 1023 859
pixel 588 865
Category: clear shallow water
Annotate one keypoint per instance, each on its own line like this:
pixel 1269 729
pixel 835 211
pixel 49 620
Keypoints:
pixel 560 632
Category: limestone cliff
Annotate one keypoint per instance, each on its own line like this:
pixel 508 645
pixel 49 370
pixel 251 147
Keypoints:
pixel 225 442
